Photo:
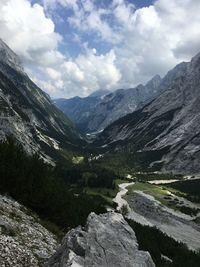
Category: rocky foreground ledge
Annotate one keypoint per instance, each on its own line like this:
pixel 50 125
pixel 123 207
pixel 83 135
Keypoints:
pixel 24 242
pixel 106 241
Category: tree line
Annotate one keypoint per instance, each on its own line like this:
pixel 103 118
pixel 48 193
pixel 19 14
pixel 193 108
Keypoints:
pixel 54 193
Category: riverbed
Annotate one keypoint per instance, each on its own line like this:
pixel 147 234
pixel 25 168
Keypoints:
pixel 146 210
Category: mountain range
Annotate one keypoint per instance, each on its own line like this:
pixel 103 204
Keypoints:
pixel 169 123
pixel 165 117
pixel 98 110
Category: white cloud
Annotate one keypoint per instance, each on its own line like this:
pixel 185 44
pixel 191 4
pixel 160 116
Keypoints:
pixel 27 30
pixel 85 74
pixel 53 74
pixel 100 70
pixel 143 42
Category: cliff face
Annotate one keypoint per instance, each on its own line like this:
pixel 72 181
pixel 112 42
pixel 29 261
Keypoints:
pixel 27 113
pixel 170 122
pixel 106 241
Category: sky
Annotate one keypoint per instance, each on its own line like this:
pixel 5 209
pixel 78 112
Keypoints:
pixel 75 47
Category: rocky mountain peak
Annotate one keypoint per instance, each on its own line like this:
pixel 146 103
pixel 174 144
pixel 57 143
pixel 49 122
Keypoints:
pixel 99 93
pixel 195 62
pixel 107 240
pixel 28 114
pixel 9 57
pixel 154 82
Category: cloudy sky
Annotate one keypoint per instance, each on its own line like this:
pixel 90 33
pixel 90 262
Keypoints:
pixel 75 47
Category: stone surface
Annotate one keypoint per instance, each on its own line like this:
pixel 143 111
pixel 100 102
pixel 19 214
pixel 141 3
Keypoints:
pixel 106 241
pixel 9 57
pixel 174 223
pixel 24 242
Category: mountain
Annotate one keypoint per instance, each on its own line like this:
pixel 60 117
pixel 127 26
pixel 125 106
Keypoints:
pixel 107 240
pixel 9 57
pixel 28 114
pixel 78 109
pixel 100 93
pixel 169 124
pixel 95 112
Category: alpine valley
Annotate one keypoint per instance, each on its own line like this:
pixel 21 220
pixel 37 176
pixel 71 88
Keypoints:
pixel 95 112
pixel 108 180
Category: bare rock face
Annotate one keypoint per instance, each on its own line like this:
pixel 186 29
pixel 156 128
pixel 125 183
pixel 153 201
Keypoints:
pixel 168 125
pixel 106 241
pixel 9 57
pixel 24 242
pixel 95 112
pixel 27 113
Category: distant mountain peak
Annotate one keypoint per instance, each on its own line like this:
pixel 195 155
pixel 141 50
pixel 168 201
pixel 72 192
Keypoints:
pixel 155 81
pixel 195 62
pixel 9 57
pixel 99 93
pixel 101 108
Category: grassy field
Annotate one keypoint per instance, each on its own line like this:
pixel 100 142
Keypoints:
pixel 162 194
pixel 157 176
pixel 154 190
pixel 77 159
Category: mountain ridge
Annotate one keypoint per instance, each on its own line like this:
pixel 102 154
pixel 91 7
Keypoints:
pixel 171 120
pixel 95 112
pixel 27 113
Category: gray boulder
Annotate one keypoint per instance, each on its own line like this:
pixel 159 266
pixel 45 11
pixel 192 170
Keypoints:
pixel 106 240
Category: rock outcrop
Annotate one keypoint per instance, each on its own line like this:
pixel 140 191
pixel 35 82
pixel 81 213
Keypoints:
pixel 24 242
pixel 106 241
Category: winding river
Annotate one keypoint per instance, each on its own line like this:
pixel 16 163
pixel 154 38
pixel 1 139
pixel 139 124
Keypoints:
pixel 119 197
pixel 146 210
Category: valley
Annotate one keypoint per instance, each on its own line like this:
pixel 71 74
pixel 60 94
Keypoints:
pixel 150 211
pixel 128 160
pixel 147 206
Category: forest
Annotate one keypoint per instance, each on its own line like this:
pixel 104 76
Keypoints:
pixel 159 244
pixel 57 193
pixel 190 187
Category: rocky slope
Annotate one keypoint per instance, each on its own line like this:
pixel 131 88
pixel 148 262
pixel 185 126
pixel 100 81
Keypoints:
pixel 169 123
pixel 27 113
pixel 23 240
pixel 107 240
pixel 95 112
